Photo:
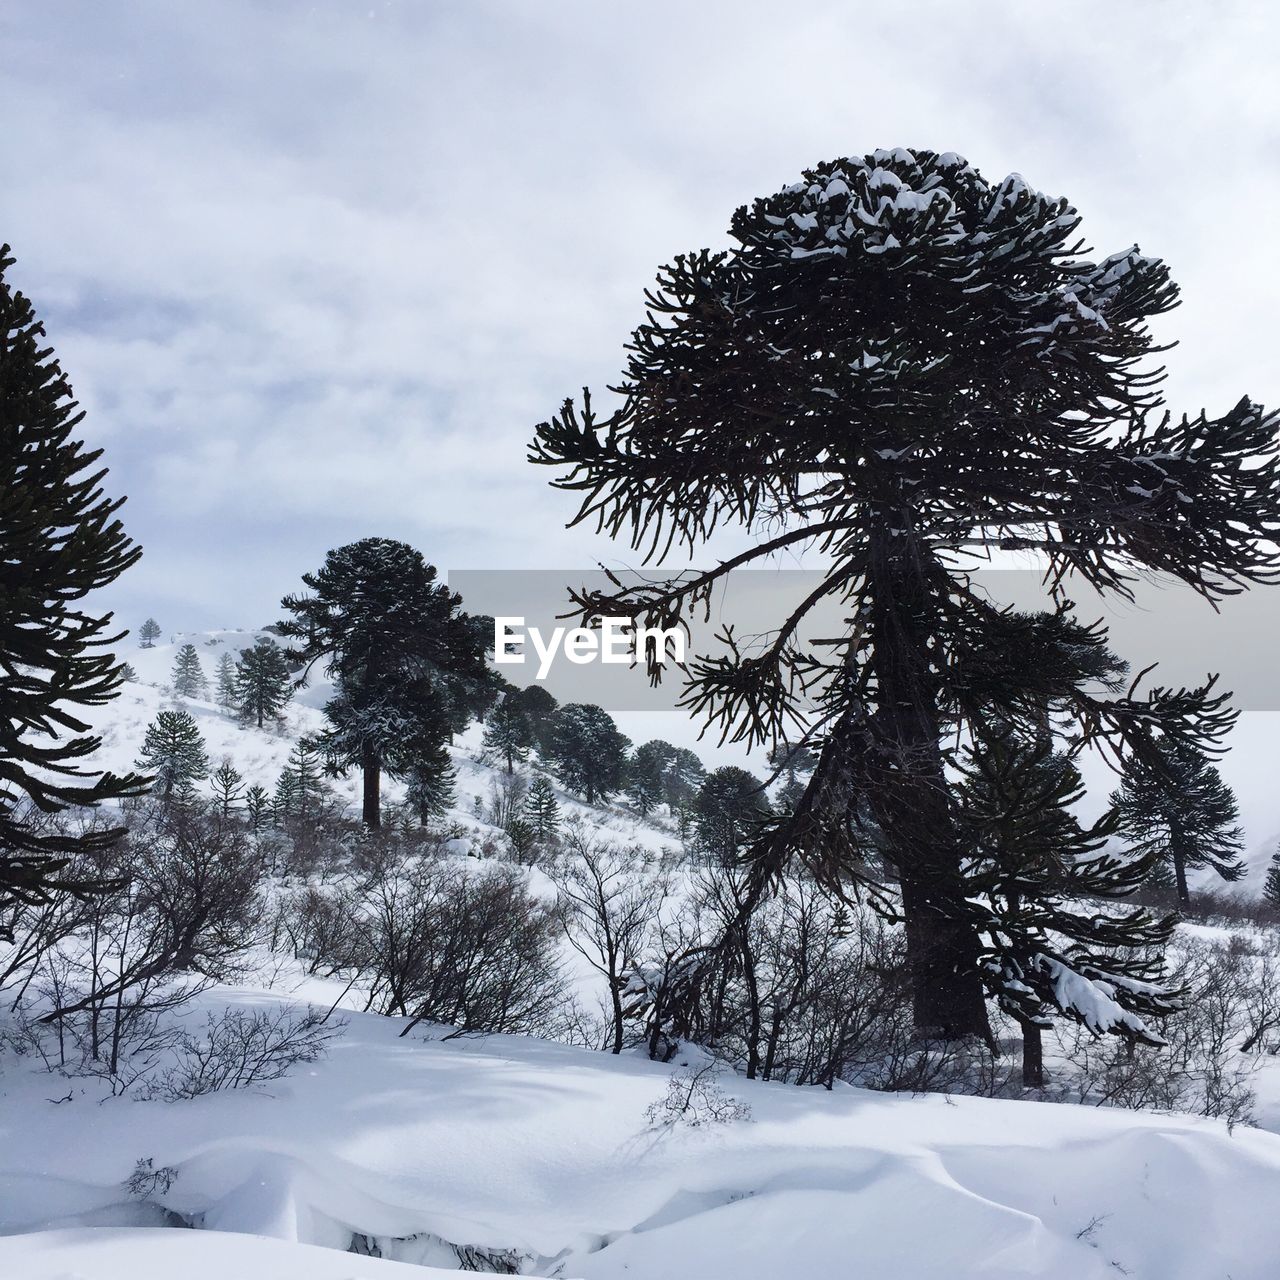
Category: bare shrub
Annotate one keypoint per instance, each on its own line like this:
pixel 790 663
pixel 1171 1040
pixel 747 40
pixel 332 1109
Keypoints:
pixel 695 1098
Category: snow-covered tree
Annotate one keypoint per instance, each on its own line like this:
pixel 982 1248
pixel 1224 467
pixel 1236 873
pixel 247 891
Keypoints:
pixel 257 806
pixel 188 677
pixel 539 710
pixel 1177 808
pixel 173 751
pixel 301 791
pixel 429 783
pixel 148 634
pixel 542 809
pixel 225 682
pixel 60 540
pixel 408 663
pixel 904 365
pixel 647 774
pixel 262 688
pixel 588 751
pixel 507 735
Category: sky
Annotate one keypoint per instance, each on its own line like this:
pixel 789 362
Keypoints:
pixel 316 271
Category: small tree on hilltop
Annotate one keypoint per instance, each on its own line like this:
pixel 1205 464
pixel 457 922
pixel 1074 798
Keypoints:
pixel 225 682
pixel 60 540
pixel 588 751
pixel 188 675
pixel 1178 809
pixel 148 634
pixel 262 688
pixel 408 663
pixel 174 751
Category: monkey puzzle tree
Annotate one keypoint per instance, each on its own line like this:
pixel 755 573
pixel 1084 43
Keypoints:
pixel 903 366
pixel 60 539
pixel 409 665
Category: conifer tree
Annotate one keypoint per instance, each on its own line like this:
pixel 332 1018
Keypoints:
pixel 188 675
pixel 301 792
pixel 174 752
pixel 226 783
pixel 409 665
pixel 262 687
pixel 257 806
pixel 588 751
pixel 730 809
pixel 647 774
pixel 542 809
pixel 60 540
pixel 430 780
pixel 1271 886
pixel 539 710
pixel 904 365
pixel 507 735
pixel 148 634
pixel 682 779
pixel 225 682
pixel 127 673
pixel 1177 809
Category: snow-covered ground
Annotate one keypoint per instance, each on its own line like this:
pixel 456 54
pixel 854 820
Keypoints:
pixel 514 1151
pixel 521 1147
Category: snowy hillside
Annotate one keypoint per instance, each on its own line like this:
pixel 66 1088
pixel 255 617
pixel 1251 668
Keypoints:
pixel 424 1154
pixel 543 1156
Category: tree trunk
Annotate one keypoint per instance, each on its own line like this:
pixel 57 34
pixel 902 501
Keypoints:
pixel 1032 1055
pixel 911 800
pixel 1180 873
pixel 372 768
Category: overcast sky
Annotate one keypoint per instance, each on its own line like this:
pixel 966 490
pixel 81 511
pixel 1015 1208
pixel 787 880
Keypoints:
pixel 316 271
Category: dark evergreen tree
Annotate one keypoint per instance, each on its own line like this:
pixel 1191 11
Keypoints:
pixel 903 365
pixel 301 791
pixel 729 811
pixel 262 688
pixel 174 752
pixel 647 774
pixel 682 779
pixel 539 710
pixel 588 751
pixel 430 783
pixel 257 806
pixel 542 809
pixel 60 540
pixel 148 634
pixel 1177 809
pixel 188 675
pixel 507 735
pixel 226 783
pixel 408 663
pixel 225 682
pixel 1271 886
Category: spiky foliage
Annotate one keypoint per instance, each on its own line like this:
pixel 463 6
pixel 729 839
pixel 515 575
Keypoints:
pixel 902 365
pixel 730 810
pixel 262 687
pixel 430 783
pixel 148 634
pixel 507 734
pixel 257 806
pixel 173 751
pixel 1177 809
pixel 188 679
pixel 226 783
pixel 301 791
pixel 588 751
pixel 646 774
pixel 542 809
pixel 60 540
pixel 409 664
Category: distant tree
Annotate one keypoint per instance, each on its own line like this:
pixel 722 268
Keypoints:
pixel 682 778
pixel 301 791
pixel 174 752
pixel 730 809
pixel 542 809
pixel 430 783
pixel 1271 885
pixel 588 751
pixel 226 782
pixel 225 682
pixel 408 663
pixel 1178 808
pixel 257 806
pixel 539 710
pixel 127 673
pixel 188 675
pixel 262 688
pixel 148 634
pixel 507 735
pixel 60 540
pixel 647 774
